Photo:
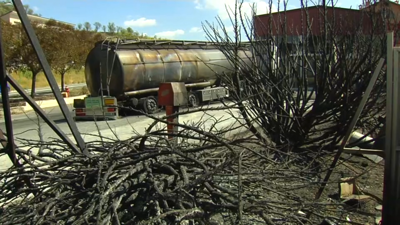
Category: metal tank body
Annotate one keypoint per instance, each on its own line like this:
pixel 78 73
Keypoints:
pixel 132 68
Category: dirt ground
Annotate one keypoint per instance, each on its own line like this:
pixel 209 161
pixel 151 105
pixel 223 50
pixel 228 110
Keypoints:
pixel 369 181
pixel 360 208
pixel 274 188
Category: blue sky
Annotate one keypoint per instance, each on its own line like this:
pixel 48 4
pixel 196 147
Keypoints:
pixel 173 19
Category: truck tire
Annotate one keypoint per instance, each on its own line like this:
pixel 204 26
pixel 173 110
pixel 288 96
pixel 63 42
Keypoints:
pixel 193 100
pixel 150 105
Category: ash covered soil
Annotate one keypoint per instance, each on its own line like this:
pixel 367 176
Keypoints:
pixel 288 189
pixel 241 180
pixel 361 207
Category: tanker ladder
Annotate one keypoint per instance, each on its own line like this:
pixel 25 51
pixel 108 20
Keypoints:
pixel 98 107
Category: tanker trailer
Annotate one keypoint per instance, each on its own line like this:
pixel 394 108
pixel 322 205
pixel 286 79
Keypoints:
pixel 129 73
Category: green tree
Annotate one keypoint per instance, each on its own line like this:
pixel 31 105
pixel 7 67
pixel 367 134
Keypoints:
pixel 111 27
pixel 104 28
pixel 123 32
pixel 9 38
pixel 86 43
pixel 97 26
pixel 7 6
pixel 129 30
pixel 24 54
pixel 63 55
pixel 87 26
pixel 30 11
pixel 79 26
pixel 119 29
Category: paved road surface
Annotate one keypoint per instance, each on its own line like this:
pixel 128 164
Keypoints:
pixel 21 122
pixel 43 90
pixel 26 126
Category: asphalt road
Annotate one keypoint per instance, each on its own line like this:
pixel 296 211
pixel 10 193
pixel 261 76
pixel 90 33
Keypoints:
pixel 28 124
pixel 42 91
pixel 29 121
pixel 29 127
pixel 26 127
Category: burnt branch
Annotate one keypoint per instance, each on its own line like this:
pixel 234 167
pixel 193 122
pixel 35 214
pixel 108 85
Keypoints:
pixel 302 81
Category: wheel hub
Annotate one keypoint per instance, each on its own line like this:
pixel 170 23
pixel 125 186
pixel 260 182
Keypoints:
pixel 192 100
pixel 151 104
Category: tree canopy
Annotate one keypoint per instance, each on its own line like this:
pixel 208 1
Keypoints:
pixel 7 6
pixel 65 46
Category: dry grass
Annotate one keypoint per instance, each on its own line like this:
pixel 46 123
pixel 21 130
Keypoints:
pixel 25 78
pixel 78 91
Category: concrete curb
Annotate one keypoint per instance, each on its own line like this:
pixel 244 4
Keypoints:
pixel 43 104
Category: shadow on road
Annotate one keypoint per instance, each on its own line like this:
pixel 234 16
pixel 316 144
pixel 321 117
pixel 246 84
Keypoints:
pixel 60 121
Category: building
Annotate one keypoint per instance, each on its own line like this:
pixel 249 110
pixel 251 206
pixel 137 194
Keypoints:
pixel 292 29
pixel 293 22
pixel 13 18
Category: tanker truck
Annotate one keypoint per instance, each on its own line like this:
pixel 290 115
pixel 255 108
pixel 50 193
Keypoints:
pixel 127 73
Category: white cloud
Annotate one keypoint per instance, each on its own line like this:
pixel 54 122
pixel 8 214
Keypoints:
pixel 223 6
pixel 198 4
pixel 141 22
pixel 196 30
pixel 35 8
pixel 170 34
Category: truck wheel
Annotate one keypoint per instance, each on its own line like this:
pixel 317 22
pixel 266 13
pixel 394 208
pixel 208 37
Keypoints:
pixel 193 100
pixel 150 105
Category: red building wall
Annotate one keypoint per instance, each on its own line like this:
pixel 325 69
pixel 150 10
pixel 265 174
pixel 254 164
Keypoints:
pixel 294 22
